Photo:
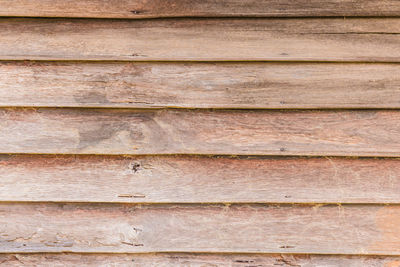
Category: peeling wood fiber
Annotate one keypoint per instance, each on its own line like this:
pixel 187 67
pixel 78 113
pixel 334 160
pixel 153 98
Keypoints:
pixel 332 229
pixel 199 85
pixel 194 179
pixel 225 132
pixel 308 39
pixel 176 133
pixel 194 260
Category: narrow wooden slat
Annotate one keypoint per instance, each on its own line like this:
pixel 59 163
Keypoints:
pixel 196 8
pixel 120 131
pixel 195 260
pixel 332 229
pixel 183 179
pixel 199 85
pixel 372 39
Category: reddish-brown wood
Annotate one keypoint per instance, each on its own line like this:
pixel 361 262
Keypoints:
pixel 195 260
pixel 193 179
pixel 196 8
pixel 108 131
pixel 308 39
pixel 199 85
pixel 347 229
pixel 241 207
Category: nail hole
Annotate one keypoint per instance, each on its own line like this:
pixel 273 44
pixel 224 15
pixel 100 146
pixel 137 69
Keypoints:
pixel 135 167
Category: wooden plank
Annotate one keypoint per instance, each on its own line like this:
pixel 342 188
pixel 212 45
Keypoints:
pixel 121 131
pixel 195 260
pixel 199 85
pixel 196 8
pixel 193 179
pixel 348 229
pixel 309 39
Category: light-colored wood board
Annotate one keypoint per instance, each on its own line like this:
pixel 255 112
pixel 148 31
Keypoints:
pixel 307 39
pixel 222 132
pixel 195 260
pixel 196 8
pixel 194 179
pixel 333 229
pixel 199 85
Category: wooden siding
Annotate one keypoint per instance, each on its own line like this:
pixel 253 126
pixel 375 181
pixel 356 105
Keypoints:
pixel 200 133
pixel 305 39
pixel 221 132
pixel 194 179
pixel 199 85
pixel 194 260
pixel 332 229
pixel 196 8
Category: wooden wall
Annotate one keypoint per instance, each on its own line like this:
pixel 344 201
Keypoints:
pixel 200 133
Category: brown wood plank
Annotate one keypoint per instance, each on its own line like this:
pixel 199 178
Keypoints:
pixel 193 179
pixel 332 229
pixel 309 39
pixel 199 85
pixel 121 131
pixel 196 8
pixel 196 260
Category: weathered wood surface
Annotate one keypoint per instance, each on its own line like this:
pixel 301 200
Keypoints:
pixel 121 131
pixel 199 85
pixel 347 229
pixel 196 260
pixel 193 179
pixel 196 8
pixel 309 39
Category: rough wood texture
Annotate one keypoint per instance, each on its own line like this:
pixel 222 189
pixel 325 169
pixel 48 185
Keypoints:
pixel 199 85
pixel 121 131
pixel 329 229
pixel 195 260
pixel 372 40
pixel 192 179
pixel 196 8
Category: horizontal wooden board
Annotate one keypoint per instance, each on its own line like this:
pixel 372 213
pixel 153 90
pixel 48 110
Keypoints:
pixel 309 39
pixel 196 260
pixel 121 131
pixel 330 229
pixel 193 179
pixel 199 85
pixel 196 8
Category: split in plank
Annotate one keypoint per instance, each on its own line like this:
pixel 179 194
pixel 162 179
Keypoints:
pixel 307 39
pixel 193 179
pixel 224 132
pixel 332 229
pixel 196 8
pixel 194 260
pixel 199 85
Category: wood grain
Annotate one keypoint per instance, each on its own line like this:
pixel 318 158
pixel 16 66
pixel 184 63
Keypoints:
pixel 199 85
pixel 195 260
pixel 225 132
pixel 328 229
pixel 193 179
pixel 309 39
pixel 196 8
